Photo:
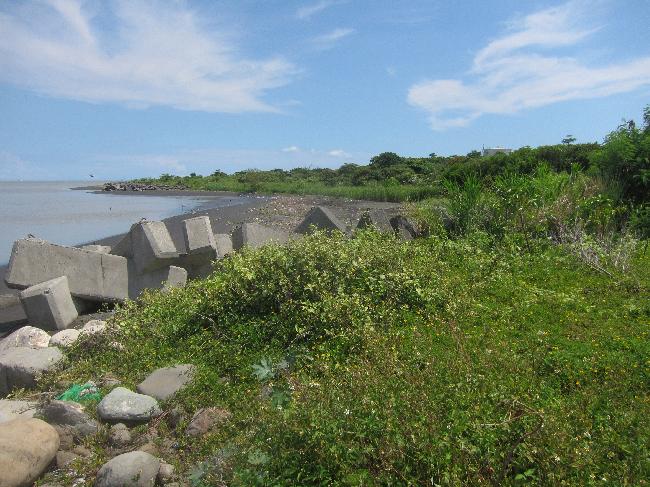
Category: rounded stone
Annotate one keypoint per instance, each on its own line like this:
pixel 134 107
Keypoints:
pixel 133 469
pixel 119 435
pixel 27 336
pixel 124 406
pixel 71 415
pixel 167 381
pixel 64 338
pixel 27 447
pixel 93 327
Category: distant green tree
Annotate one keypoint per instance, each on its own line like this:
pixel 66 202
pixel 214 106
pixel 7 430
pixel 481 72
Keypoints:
pixel 568 140
pixel 386 159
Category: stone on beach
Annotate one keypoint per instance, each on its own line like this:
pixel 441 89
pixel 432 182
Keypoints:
pixel 49 304
pixel 133 469
pixel 124 406
pixel 21 366
pixel 93 327
pixel 320 218
pixel 70 416
pixel 149 245
pixel 26 336
pixel 12 409
pixel 91 275
pixel 255 235
pixel 27 447
pixel 167 381
pixel 65 338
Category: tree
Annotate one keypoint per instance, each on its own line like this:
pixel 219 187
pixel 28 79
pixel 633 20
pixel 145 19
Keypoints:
pixel 386 159
pixel 568 140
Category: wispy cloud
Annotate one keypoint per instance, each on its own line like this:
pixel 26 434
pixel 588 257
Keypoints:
pixel 514 72
pixel 291 148
pixel 307 11
pixel 329 40
pixel 157 53
pixel 339 153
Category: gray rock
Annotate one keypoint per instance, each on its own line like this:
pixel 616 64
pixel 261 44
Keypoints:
pixel 133 469
pixel 71 415
pixel 27 336
pixel 21 366
pixel 64 338
pixel 93 327
pixel 205 419
pixel 65 458
pixel 320 218
pixel 12 409
pixel 165 472
pixel 124 406
pixel 167 381
pixel 27 447
pixel 119 435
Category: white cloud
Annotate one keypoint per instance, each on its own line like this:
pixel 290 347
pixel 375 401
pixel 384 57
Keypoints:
pixel 307 11
pixel 329 40
pixel 339 153
pixel 511 73
pixel 292 148
pixel 148 52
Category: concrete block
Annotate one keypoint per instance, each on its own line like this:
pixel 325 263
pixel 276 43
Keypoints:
pixel 150 246
pixel 377 219
pixel 224 244
pixel 320 218
pixel 198 236
pixel 91 275
pixel 102 249
pixel 255 235
pixel 49 304
pixel 403 227
pixel 164 279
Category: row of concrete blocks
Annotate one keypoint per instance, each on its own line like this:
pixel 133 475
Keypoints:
pixel 58 282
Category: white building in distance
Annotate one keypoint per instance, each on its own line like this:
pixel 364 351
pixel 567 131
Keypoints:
pixel 490 151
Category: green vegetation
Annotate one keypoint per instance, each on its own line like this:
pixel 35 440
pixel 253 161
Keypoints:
pixel 509 346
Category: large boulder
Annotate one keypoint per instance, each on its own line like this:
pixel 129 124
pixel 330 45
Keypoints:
pixel 27 336
pixel 124 406
pixel 21 366
pixel 12 409
pixel 65 338
pixel 133 469
pixel 70 416
pixel 27 447
pixel 167 381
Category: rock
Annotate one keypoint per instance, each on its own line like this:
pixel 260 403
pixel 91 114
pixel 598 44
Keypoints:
pixel 93 327
pixel 71 415
pixel 66 437
pixel 64 458
pixel 205 419
pixel 165 472
pixel 124 406
pixel 119 435
pixel 49 304
pixel 27 336
pixel 403 227
pixel 151 448
pixel 27 447
pixel 320 218
pixel 82 451
pixel 133 469
pixel 110 382
pixel 12 409
pixel 64 338
pixel 21 366
pixel 167 381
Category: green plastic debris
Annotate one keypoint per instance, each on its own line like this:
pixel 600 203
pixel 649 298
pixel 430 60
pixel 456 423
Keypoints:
pixel 81 393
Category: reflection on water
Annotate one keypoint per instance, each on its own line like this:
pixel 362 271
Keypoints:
pixel 54 212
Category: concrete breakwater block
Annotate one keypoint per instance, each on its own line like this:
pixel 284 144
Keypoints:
pixel 377 219
pixel 49 304
pixel 91 275
pixel 21 366
pixel 403 227
pixel 224 244
pixel 201 247
pixel 149 245
pixel 165 279
pixel 102 249
pixel 320 218
pixel 255 235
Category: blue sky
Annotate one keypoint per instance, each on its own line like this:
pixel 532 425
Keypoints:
pixel 129 88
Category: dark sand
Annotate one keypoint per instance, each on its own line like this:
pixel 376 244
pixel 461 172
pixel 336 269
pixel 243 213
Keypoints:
pixel 281 211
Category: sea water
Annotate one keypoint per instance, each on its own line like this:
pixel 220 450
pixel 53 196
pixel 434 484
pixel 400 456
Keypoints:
pixel 55 212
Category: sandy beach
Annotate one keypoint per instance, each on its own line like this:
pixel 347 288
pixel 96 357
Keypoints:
pixel 280 211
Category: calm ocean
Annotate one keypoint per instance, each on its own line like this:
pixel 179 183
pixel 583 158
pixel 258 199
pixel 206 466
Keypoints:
pixel 54 212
